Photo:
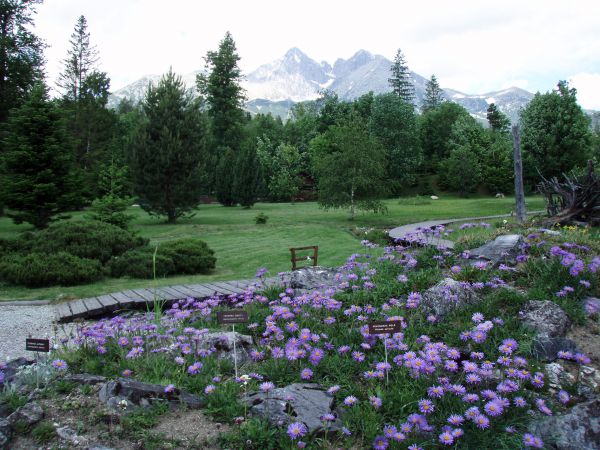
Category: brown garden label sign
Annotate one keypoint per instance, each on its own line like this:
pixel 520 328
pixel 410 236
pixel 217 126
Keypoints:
pixel 231 317
pixel 37 345
pixel 385 327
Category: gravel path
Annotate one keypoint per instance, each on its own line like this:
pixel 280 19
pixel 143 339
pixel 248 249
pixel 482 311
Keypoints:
pixel 18 322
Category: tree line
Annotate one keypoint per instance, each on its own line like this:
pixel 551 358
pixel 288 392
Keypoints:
pixel 177 145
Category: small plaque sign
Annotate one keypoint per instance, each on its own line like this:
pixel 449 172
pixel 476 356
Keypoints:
pixel 37 345
pixel 385 327
pixel 231 317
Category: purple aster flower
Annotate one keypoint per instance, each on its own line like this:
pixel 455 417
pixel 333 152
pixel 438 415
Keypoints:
pixel 296 430
pixel 194 368
pixel 350 400
pixel 333 389
pixel 446 438
pixel 380 443
pixel 267 386
pixel 493 408
pixel 59 364
pixel 375 402
pixel 456 419
pixel 127 373
pixel 306 374
pixel 426 406
pixel 170 388
pixel 530 440
pixel 481 422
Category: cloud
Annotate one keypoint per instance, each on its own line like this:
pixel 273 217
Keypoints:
pixel 588 89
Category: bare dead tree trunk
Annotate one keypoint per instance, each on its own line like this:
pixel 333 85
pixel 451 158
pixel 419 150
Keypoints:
pixel 519 192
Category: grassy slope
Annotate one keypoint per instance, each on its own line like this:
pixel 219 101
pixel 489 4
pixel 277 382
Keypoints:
pixel 241 246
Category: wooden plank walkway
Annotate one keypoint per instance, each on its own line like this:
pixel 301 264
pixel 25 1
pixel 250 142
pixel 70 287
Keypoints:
pixel 131 299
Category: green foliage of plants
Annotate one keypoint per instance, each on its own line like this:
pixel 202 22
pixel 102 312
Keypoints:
pixel 11 399
pixel 86 239
pixel 190 256
pixel 261 218
pixel 47 269
pixel 111 209
pixel 43 432
pixel 138 263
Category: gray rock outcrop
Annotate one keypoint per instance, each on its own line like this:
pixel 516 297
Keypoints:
pixel 502 250
pixel 300 402
pixel 446 296
pixel 545 317
pixel 578 429
pixel 30 414
pixel 313 278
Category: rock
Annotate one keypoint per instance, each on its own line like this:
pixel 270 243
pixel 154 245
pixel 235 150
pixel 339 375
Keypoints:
pixel 545 317
pixel 85 378
pixel 5 433
pixel 589 382
pixel 299 402
pixel 578 429
pixel 13 366
pixel 124 395
pixel 550 232
pixel 222 342
pixel 546 348
pixel 558 377
pixel 313 278
pixel 69 435
pixel 446 296
pixel 503 249
pixel 31 413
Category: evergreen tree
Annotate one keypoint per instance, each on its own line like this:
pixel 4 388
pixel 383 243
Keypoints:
pixel 435 128
pixel 401 81
pixel 434 95
pixel 81 59
pixel 350 168
pixel 21 53
pixel 225 98
pixel 247 176
pixel 168 149
pixel 37 181
pixel 556 136
pixel 497 119
pixel 225 178
pixel 394 123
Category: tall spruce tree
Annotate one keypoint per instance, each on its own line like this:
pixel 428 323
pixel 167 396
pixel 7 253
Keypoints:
pixel 247 175
pixel 400 80
pixel 168 150
pixel 37 179
pixel 497 119
pixel 224 95
pixel 81 59
pixel 434 95
pixel 21 53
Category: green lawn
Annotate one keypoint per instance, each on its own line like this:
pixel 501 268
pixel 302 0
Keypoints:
pixel 241 246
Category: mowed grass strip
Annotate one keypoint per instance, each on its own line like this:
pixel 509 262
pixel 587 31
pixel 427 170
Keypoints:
pixel 241 246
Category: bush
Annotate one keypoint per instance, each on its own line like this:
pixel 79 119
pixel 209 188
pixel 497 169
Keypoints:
pixel 261 218
pixel 46 269
pixel 111 209
pixel 86 239
pixel 190 256
pixel 185 256
pixel 138 263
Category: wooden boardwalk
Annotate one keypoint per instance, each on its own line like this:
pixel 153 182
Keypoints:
pixel 117 302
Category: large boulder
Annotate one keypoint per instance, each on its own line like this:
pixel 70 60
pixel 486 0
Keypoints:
pixel 300 402
pixel 313 278
pixel 5 433
pixel 545 317
pixel 578 429
pixel 446 296
pixel 124 395
pixel 546 348
pixel 30 414
pixel 502 250
pixel 222 342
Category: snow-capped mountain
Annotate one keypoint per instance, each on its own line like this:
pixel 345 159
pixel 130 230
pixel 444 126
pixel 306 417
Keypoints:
pixel 295 77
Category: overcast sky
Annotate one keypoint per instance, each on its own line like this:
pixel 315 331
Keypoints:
pixel 472 46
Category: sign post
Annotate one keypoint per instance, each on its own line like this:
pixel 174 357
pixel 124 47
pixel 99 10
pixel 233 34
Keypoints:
pixel 231 318
pixel 385 327
pixel 37 346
